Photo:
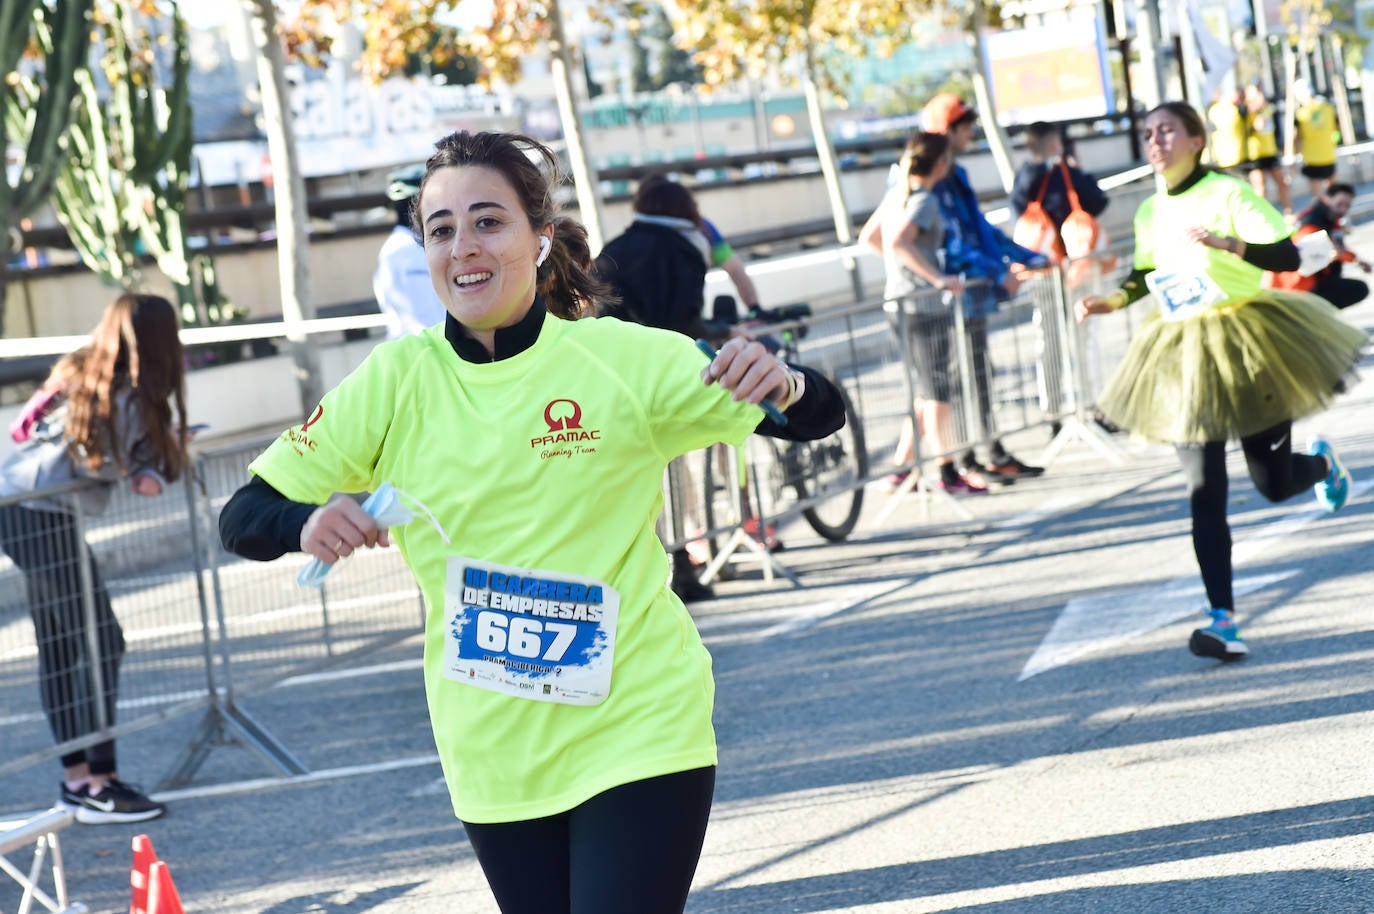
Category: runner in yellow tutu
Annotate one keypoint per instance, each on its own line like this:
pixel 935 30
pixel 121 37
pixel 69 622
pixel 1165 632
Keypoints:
pixel 1223 359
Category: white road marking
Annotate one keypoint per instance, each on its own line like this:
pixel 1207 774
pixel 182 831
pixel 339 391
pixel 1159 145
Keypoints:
pixel 1061 504
pixel 1094 624
pixel 809 616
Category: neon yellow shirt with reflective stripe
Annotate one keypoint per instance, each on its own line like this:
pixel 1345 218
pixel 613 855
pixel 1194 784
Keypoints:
pixel 1224 205
pixel 552 459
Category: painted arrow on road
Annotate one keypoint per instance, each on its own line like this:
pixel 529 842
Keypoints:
pixel 1094 624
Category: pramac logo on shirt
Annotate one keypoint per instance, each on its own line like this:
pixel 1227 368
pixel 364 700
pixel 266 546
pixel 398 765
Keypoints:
pixel 300 439
pixel 566 435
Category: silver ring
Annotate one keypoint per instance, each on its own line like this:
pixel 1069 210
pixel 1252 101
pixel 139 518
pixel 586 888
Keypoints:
pixel 338 546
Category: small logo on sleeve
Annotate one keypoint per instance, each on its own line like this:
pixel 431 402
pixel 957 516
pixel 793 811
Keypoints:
pixel 566 436
pixel 299 438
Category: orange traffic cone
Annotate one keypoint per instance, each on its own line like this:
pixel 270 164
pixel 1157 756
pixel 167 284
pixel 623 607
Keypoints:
pixel 144 858
pixel 162 893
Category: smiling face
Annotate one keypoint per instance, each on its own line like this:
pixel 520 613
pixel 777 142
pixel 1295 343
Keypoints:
pixel 1171 150
pixel 480 248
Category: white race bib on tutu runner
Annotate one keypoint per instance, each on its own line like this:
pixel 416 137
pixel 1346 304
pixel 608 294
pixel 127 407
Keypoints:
pixel 1183 295
pixel 532 634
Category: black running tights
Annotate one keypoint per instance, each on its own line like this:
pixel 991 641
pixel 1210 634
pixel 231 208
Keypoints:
pixel 630 850
pixel 45 546
pixel 1277 473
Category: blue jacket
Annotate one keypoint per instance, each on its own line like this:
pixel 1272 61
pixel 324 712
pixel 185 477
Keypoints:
pixel 973 247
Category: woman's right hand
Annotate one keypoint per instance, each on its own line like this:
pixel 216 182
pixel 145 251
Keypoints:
pixel 953 284
pixel 1092 304
pixel 338 529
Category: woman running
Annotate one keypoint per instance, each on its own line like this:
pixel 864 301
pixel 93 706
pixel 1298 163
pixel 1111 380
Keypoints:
pixel 1223 358
pixel 569 692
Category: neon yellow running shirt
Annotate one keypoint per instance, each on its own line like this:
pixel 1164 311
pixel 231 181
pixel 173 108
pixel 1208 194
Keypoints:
pixel 545 470
pixel 1317 129
pixel 1225 206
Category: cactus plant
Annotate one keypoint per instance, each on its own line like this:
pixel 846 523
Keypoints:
pixel 122 191
pixel 43 48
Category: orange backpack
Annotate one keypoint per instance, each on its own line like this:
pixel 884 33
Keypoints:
pixel 1085 240
pixel 1036 231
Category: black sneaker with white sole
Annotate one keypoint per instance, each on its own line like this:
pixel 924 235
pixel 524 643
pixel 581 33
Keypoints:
pixel 115 802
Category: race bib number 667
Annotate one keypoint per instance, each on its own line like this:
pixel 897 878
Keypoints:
pixel 531 634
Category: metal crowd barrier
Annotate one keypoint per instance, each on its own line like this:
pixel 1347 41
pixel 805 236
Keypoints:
pixel 200 628
pixel 40 831
pixel 1004 368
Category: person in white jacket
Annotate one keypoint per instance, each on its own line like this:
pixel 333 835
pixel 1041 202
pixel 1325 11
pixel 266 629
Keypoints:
pixel 401 281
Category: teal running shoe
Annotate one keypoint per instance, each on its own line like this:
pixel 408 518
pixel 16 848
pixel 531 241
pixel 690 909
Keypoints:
pixel 1333 491
pixel 1220 640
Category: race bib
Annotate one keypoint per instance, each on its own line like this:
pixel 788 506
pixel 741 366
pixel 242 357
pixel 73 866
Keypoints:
pixel 529 634
pixel 1183 295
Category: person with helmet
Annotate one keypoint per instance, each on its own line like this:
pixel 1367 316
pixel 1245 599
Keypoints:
pixel 401 281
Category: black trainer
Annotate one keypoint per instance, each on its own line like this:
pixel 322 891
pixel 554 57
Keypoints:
pixel 115 802
pixel 1009 467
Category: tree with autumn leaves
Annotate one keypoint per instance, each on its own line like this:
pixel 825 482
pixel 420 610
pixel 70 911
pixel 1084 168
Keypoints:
pixel 804 40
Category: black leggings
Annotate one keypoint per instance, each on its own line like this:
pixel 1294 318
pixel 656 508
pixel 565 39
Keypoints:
pixel 1277 473
pixel 1342 292
pixel 630 850
pixel 45 547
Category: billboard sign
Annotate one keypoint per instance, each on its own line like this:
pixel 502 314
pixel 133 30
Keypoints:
pixel 1049 73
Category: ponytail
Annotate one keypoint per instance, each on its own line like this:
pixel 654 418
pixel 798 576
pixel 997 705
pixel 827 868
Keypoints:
pixel 566 280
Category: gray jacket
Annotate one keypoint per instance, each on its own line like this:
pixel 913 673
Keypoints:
pixel 45 459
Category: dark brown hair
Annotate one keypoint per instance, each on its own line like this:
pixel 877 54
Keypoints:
pixel 659 195
pixel 1189 117
pixel 923 152
pixel 136 342
pixel 565 279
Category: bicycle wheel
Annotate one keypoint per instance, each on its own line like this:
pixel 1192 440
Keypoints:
pixel 832 470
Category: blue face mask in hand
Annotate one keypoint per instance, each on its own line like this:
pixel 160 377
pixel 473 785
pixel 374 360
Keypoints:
pixel 387 509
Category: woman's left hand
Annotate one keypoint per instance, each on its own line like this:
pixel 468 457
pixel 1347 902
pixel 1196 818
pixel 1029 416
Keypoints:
pixel 749 370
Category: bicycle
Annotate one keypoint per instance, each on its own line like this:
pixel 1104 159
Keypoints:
pixel 824 478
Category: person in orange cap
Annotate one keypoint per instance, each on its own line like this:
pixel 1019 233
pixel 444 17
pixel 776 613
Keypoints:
pixel 974 250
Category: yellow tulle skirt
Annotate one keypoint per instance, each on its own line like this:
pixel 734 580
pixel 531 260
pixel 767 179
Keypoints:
pixel 1234 370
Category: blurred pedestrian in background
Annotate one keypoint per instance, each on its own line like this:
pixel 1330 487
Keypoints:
pixel 1327 214
pixel 1262 148
pixel 907 231
pixel 401 282
pixel 983 256
pixel 1317 137
pixel 112 410
pixel 656 270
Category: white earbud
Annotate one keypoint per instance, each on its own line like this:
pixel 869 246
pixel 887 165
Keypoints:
pixel 544 245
